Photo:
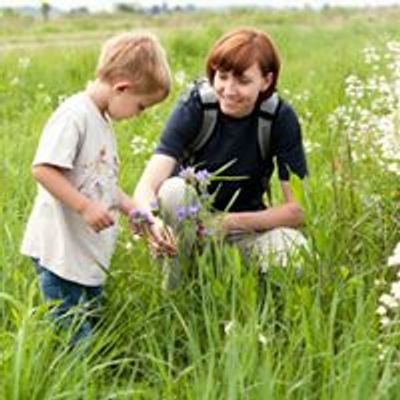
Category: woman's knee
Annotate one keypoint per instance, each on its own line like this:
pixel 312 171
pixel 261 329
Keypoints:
pixel 278 245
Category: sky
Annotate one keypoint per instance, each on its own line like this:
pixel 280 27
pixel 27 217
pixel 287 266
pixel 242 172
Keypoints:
pixel 95 5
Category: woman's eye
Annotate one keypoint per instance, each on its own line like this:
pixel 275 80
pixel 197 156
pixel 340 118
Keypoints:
pixel 244 81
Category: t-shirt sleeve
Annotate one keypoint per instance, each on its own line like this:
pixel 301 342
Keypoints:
pixel 182 127
pixel 60 138
pixel 289 149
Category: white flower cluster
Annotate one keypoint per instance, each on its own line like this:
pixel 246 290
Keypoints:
pixel 394 259
pixel 389 302
pixel 370 119
pixel 180 77
pixel 24 62
pixel 141 145
pixel 300 102
pixel 371 56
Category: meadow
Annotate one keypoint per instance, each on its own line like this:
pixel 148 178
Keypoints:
pixel 329 332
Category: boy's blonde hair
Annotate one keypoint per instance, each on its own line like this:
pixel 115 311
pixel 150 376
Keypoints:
pixel 138 57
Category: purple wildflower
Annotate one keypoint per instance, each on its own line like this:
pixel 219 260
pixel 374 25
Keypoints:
pixel 155 205
pixel 202 176
pixel 181 213
pixel 188 174
pixel 194 209
pixel 188 212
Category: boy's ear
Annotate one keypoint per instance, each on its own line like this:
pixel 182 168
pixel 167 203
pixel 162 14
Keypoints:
pixel 121 86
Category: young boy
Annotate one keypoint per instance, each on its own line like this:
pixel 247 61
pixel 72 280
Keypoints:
pixel 71 231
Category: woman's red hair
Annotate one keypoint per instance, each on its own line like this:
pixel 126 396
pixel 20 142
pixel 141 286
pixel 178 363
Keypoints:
pixel 240 49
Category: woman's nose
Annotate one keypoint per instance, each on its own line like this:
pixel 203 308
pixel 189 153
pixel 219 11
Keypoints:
pixel 230 86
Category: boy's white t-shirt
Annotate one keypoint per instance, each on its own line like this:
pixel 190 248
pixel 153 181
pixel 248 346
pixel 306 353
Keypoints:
pixel 78 139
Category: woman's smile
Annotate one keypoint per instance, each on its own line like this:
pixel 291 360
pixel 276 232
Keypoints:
pixel 237 95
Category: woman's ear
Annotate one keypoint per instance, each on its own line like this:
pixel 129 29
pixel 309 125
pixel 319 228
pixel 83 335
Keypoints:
pixel 268 79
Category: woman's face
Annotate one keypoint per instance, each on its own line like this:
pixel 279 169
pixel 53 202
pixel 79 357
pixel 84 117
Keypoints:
pixel 237 95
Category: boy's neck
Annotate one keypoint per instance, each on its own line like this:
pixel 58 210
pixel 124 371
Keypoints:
pixel 98 91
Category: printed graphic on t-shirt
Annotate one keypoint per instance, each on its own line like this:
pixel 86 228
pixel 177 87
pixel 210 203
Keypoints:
pixel 100 179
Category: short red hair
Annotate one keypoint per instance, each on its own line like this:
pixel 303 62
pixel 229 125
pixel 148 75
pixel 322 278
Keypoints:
pixel 238 50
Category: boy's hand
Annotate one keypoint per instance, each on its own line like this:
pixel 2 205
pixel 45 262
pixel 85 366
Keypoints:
pixel 96 216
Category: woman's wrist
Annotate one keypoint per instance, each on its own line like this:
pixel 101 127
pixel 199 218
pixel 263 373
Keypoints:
pixel 229 222
pixel 140 216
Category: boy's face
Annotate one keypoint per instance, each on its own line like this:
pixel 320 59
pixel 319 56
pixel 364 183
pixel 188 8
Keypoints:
pixel 124 103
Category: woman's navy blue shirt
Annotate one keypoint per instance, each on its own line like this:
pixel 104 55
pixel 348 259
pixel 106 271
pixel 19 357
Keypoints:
pixel 236 139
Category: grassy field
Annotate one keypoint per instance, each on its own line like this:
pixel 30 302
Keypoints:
pixel 327 333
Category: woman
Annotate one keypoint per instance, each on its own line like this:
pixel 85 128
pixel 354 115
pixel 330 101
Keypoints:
pixel 242 70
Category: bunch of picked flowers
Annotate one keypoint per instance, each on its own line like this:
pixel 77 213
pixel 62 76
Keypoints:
pixel 197 215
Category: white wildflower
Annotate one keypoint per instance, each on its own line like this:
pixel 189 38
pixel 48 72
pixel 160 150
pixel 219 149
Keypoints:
pixel 15 82
pixel 140 145
pixel 395 169
pixel 262 339
pixel 24 62
pixel 393 47
pixel 388 300
pixel 381 310
pixel 47 99
pixel 394 260
pixel 310 146
pixel 371 55
pixel 395 290
pixel 229 327
pixel 379 282
pixel 180 77
pixel 385 321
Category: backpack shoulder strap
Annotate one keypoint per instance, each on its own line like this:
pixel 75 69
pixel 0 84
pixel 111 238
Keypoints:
pixel 267 114
pixel 210 111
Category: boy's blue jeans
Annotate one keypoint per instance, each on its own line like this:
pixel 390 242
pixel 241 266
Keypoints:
pixel 70 295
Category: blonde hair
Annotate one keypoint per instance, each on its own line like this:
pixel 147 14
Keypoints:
pixel 138 57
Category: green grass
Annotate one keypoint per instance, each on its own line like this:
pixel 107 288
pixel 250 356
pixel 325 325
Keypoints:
pixel 321 332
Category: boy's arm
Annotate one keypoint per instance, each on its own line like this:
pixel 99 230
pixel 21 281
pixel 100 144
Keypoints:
pixel 288 214
pixel 54 181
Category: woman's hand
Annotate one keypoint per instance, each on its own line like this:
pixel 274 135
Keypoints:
pixel 160 237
